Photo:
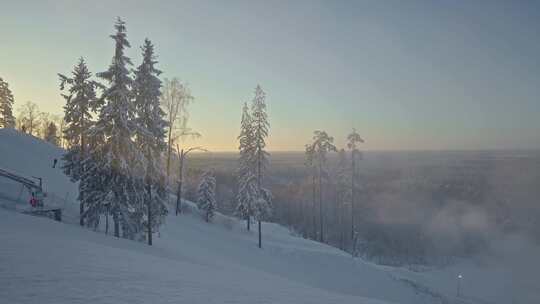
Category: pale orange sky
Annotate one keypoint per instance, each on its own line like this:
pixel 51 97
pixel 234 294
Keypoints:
pixel 456 75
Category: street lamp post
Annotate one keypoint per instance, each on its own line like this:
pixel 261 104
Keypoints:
pixel 458 291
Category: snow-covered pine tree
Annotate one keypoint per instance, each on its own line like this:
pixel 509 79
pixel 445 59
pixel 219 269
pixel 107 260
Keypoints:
pixel 120 161
pixel 81 101
pixel 7 120
pixel 353 140
pixel 93 182
pixel 341 194
pixel 322 145
pixel 260 126
pixel 246 166
pixel 150 136
pixel 206 197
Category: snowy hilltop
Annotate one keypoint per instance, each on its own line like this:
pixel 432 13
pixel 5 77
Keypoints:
pixel 192 261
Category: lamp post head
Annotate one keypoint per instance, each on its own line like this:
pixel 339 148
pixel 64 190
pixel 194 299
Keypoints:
pixel 460 276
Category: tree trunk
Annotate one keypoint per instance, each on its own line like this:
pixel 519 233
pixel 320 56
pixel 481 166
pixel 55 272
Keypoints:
pixel 248 219
pixel 259 180
pixel 125 234
pixel 259 177
pixel 169 142
pixel 81 209
pixel 314 226
pixel 81 163
pixel 107 222
pixel 260 238
pixel 180 180
pixel 116 224
pixel 353 173
pixel 321 237
pixel 149 206
pixel 337 212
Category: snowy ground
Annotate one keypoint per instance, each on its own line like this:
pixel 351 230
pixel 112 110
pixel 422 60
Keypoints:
pixel 47 262
pixel 42 261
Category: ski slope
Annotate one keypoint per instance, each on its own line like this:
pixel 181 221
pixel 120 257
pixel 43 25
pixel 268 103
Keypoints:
pixel 48 262
pixel 42 261
pixel 33 158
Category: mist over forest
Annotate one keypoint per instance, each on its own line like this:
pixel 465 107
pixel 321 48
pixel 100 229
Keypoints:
pixel 416 207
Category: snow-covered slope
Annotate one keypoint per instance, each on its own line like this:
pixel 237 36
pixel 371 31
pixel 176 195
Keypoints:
pixel 47 262
pixel 42 261
pixel 33 158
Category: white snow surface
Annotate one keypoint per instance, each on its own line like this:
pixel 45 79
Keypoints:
pixel 43 261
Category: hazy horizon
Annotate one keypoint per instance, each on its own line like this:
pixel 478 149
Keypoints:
pixel 393 150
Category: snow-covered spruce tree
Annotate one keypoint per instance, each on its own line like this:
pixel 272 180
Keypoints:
pixel 206 197
pixel 80 102
pixel 260 127
pixel 353 140
pixel 119 160
pixel 322 144
pixel 7 120
pixel 262 208
pixel 246 167
pixel 93 183
pixel 150 137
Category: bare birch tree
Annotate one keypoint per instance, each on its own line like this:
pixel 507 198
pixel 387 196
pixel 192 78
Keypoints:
pixel 175 100
pixel 28 117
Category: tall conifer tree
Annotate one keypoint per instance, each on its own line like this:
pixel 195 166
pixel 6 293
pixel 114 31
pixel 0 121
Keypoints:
pixel 322 144
pixel 206 195
pixel 246 169
pixel 150 136
pixel 260 127
pixel 119 159
pixel 81 101
pixel 7 120
pixel 353 140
